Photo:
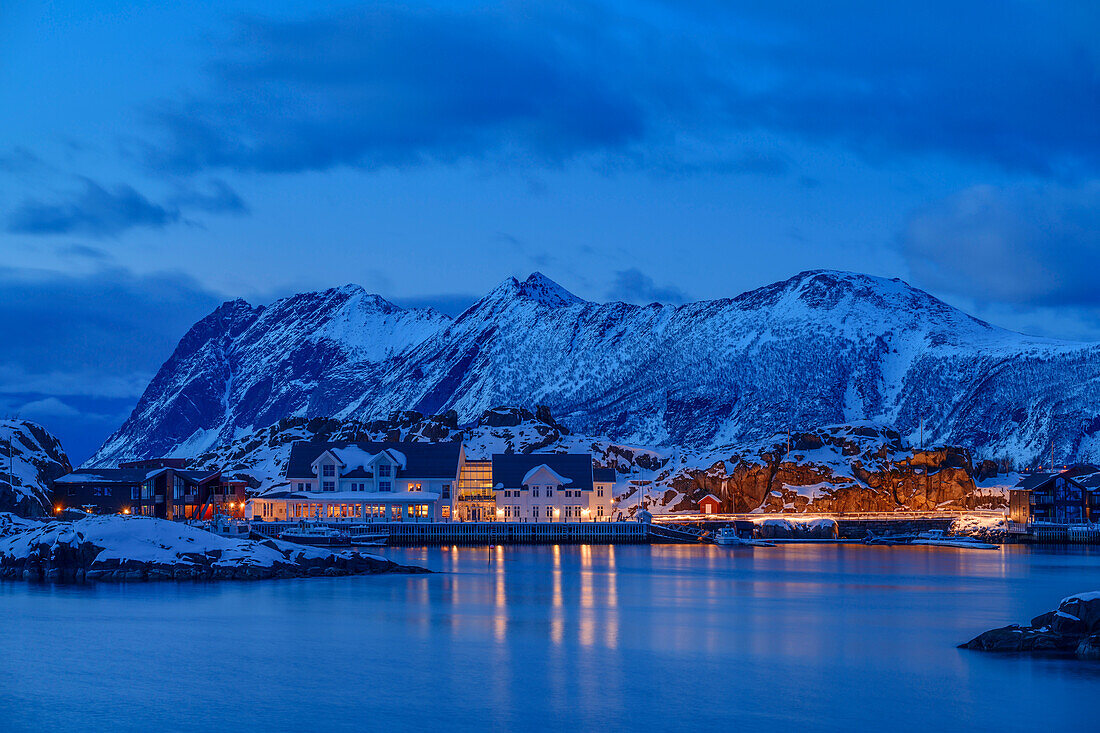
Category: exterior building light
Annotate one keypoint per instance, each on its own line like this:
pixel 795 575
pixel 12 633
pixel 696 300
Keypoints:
pixel 557 512
pixel 500 512
pixel 126 510
pixel 57 509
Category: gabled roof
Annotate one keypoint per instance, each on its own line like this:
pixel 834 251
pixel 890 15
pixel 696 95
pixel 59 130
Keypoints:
pixel 542 467
pixel 511 469
pixel 1035 480
pixel 711 496
pixel 104 476
pixel 421 460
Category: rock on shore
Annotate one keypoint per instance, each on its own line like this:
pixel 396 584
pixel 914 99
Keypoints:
pixel 128 548
pixel 1074 628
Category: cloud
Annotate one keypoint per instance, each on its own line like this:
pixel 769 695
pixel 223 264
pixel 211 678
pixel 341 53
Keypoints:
pixel 634 286
pixel 729 87
pixel 92 210
pixel 394 86
pixel 102 334
pixel 1036 245
pixel 98 211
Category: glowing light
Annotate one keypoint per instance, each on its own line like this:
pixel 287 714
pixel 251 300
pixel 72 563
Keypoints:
pixel 500 512
pixel 126 510
pixel 57 509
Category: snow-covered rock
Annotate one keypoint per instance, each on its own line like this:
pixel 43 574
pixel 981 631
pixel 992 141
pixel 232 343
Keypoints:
pixel 821 348
pixel 116 547
pixel 30 458
pixel 1073 628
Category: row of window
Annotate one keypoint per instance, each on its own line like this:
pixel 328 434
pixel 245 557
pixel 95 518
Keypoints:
pixel 328 470
pixel 383 486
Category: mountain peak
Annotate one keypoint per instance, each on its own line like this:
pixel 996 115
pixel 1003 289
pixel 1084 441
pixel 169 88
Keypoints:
pixel 536 287
pixel 541 288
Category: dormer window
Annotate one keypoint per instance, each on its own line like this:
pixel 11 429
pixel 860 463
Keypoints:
pixel 384 469
pixel 328 470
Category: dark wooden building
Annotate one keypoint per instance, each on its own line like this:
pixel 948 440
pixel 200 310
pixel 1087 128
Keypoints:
pixel 1070 496
pixel 151 488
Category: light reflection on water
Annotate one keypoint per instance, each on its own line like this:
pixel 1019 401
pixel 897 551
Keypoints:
pixel 821 637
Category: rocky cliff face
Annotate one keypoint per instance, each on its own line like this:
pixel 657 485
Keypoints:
pixel 30 459
pixel 821 348
pixel 840 468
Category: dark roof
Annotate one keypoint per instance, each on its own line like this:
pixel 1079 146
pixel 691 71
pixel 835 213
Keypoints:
pixel 422 460
pixel 104 476
pixel 604 475
pixel 1034 480
pixel 510 468
pixel 1082 474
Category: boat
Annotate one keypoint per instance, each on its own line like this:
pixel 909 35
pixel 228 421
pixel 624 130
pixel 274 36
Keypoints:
pixel 236 529
pixel 315 534
pixel 938 538
pixel 370 540
pixel 728 536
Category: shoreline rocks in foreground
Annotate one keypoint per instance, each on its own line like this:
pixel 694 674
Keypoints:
pixel 128 548
pixel 1074 628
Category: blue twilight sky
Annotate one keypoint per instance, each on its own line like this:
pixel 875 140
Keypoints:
pixel 157 160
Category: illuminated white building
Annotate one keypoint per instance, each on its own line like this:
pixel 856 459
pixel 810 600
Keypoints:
pixel 544 487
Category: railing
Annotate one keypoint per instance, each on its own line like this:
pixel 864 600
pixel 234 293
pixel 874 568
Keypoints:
pixel 854 516
pixel 481 533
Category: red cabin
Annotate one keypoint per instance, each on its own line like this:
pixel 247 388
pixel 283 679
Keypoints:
pixel 710 504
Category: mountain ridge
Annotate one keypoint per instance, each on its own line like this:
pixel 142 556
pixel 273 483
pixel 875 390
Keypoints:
pixel 822 347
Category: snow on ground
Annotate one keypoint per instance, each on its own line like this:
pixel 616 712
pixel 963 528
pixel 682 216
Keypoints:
pixel 157 541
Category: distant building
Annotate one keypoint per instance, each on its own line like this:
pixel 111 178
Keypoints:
pixel 710 504
pixel 145 488
pixel 1070 496
pixel 546 487
pixel 356 482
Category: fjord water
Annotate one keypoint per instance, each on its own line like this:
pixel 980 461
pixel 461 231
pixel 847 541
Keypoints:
pixel 570 638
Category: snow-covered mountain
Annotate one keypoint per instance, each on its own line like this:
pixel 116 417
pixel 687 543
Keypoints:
pixel 821 348
pixel 30 458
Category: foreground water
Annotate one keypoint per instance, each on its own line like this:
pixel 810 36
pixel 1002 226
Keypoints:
pixel 808 637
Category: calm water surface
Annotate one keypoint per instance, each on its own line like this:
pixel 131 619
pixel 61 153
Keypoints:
pixel 813 637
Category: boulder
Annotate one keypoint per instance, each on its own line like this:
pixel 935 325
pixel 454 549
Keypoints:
pixel 1083 606
pixel 1089 647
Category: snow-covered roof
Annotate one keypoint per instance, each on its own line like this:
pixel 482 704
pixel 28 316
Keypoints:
pixel 557 477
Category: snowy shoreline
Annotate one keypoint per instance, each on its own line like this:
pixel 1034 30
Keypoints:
pixel 131 548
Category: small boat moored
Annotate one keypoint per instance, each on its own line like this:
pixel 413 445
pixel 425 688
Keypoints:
pixel 938 538
pixel 728 536
pixel 315 534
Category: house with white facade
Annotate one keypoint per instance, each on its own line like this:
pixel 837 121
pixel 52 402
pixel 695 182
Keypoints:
pixel 364 482
pixel 545 487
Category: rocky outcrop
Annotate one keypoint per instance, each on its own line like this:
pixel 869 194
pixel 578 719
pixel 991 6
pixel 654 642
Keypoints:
pixel 117 548
pixel 839 468
pixel 1074 628
pixel 30 459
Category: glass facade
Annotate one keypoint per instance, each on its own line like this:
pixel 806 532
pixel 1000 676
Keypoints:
pixel 475 501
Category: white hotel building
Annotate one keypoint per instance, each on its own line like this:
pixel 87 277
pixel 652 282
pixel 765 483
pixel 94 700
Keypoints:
pixel 543 487
pixel 433 482
pixel 384 482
